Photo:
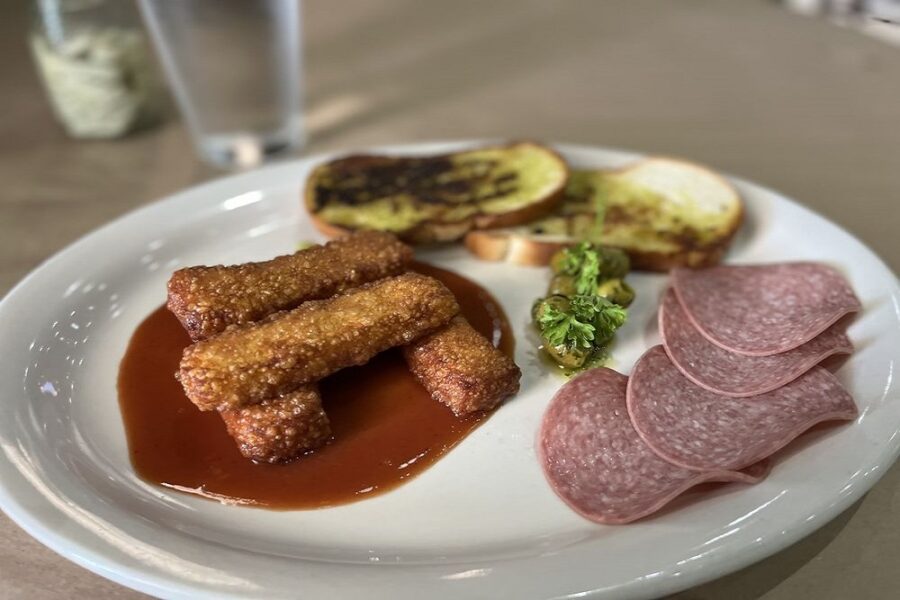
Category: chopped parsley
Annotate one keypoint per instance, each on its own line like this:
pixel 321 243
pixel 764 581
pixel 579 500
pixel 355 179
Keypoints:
pixel 590 320
pixel 586 306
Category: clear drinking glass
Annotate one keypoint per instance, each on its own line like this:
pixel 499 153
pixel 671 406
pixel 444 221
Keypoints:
pixel 235 69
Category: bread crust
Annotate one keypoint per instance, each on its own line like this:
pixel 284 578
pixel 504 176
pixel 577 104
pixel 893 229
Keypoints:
pixel 521 250
pixel 436 231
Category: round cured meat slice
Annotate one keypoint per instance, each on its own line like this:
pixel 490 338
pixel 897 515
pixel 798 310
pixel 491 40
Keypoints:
pixel 701 430
pixel 739 375
pixel 596 462
pixel 763 309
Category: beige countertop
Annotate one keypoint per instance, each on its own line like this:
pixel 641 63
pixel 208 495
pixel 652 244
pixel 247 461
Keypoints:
pixel 794 103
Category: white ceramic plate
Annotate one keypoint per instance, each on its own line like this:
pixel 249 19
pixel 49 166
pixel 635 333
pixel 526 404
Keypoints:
pixel 482 522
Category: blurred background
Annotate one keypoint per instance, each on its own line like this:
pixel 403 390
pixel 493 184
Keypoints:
pixel 105 106
pixel 753 87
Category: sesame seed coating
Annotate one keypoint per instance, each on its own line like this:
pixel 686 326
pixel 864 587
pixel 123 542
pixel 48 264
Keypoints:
pixel 279 429
pixel 461 369
pixel 208 299
pixel 249 363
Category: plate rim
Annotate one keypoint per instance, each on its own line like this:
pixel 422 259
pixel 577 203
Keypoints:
pixel 108 566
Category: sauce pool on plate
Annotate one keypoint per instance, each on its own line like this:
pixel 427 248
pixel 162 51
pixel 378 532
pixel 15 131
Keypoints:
pixel 386 427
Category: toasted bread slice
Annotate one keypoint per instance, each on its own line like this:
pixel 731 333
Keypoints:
pixel 436 198
pixel 663 212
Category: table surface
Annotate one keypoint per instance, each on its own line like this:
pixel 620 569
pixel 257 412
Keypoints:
pixel 795 103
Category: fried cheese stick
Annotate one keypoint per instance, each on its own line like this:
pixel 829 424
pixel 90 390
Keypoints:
pixel 279 429
pixel 461 369
pixel 208 299
pixel 249 363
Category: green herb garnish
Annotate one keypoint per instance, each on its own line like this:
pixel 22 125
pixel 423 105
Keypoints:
pixel 582 261
pixel 605 316
pixel 586 280
pixel 573 258
pixel 585 306
pixel 590 320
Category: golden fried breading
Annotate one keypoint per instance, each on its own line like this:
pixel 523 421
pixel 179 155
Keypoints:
pixel 462 369
pixel 208 299
pixel 248 363
pixel 279 429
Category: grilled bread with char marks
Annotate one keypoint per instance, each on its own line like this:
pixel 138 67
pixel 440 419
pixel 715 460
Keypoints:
pixel 663 212
pixel 436 198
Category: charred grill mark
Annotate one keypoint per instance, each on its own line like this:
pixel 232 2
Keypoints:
pixel 358 180
pixel 582 193
pixel 615 215
pixel 679 233
pixel 507 178
pixel 689 238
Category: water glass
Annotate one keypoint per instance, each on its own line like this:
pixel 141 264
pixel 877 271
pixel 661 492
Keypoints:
pixel 234 67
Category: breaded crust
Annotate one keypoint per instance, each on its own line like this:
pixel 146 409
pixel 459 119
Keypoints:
pixel 249 363
pixel 280 429
pixel 461 369
pixel 208 299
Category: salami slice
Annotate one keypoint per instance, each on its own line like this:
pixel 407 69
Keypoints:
pixel 596 462
pixel 739 375
pixel 760 310
pixel 698 429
